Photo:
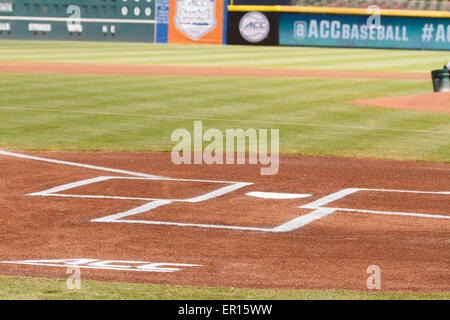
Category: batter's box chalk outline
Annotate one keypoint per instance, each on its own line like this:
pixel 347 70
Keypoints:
pixel 320 210
pixel 322 202
pixel 55 192
pixel 155 203
pixel 318 206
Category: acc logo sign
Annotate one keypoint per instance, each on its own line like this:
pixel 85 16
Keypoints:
pixel 254 26
pixel 195 18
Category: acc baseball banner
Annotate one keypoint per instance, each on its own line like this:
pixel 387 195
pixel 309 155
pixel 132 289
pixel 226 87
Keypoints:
pixel 357 31
pixel 197 21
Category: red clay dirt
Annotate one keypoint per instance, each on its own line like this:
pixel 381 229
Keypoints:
pixel 207 71
pixel 436 101
pixel 331 253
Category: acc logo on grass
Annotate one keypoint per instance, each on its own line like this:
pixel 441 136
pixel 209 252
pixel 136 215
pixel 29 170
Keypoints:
pixel 254 26
pixel 107 264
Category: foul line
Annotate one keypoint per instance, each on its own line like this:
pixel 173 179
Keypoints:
pixel 76 164
pixel 182 118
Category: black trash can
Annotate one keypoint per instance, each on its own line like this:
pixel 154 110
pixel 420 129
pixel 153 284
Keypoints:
pixel 441 80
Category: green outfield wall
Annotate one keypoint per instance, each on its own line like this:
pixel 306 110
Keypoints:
pixel 213 22
pixel 87 20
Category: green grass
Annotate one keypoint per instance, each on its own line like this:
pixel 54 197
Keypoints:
pixel 25 288
pixel 139 113
pixel 238 56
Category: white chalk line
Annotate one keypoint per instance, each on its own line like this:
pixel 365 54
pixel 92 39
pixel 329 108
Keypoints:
pixel 103 268
pixel 93 196
pixel 68 186
pixel 220 192
pixel 296 223
pixel 76 164
pixel 406 191
pixel 320 203
pixel 303 220
pixel 277 195
pixel 329 198
pixel 141 209
pixel 183 118
pixel 199 225
pixel 210 195
pixel 291 225
pixel 394 213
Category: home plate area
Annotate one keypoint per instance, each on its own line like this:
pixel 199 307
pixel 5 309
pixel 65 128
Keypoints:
pixel 224 204
pixel 190 203
pixel 137 217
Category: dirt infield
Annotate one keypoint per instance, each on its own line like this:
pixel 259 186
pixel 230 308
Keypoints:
pixel 208 71
pixel 379 221
pixel 436 101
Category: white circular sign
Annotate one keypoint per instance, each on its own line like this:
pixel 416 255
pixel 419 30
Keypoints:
pixel 254 26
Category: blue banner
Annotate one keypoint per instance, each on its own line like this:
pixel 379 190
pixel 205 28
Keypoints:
pixel 363 31
pixel 162 20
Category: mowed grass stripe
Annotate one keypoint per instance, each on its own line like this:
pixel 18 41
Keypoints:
pixel 238 56
pixel 150 54
pixel 236 99
pixel 139 113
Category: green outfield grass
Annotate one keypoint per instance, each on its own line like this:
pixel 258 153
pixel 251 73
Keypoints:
pixel 238 56
pixel 139 113
pixel 38 288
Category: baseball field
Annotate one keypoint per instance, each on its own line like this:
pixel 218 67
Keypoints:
pixel 89 191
